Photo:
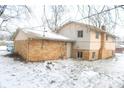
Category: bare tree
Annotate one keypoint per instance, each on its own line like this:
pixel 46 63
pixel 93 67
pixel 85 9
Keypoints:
pixel 2 9
pixel 57 12
pixel 9 13
pixel 104 15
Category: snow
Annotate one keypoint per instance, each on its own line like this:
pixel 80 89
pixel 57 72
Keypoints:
pixel 3 48
pixel 122 46
pixel 46 34
pixel 69 73
pixel 119 46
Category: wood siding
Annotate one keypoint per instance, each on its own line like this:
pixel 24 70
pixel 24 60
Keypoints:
pixel 87 54
pixel 38 50
pixel 46 50
pixel 71 31
pixel 21 48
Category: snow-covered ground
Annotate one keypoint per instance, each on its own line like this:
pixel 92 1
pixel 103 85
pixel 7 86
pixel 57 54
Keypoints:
pixel 61 73
pixel 3 48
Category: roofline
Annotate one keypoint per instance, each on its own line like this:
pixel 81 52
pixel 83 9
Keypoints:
pixel 45 38
pixel 52 39
pixel 100 30
pixel 16 32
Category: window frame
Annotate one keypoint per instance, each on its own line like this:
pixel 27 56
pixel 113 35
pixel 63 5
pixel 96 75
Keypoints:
pixel 93 55
pixel 97 35
pixel 79 54
pixel 80 33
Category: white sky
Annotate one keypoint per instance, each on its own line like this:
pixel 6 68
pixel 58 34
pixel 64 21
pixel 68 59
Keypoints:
pixel 72 14
pixel 37 12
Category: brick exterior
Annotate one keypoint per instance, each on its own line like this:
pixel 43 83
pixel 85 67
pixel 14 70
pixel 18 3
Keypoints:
pixel 21 48
pixel 103 52
pixel 106 53
pixel 38 50
pixel 103 47
pixel 87 54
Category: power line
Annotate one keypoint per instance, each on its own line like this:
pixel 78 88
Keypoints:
pixel 102 12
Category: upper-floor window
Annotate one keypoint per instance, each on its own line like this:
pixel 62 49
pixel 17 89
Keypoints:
pixel 80 33
pixel 97 35
pixel 106 37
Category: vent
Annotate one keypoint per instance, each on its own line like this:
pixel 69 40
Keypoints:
pixel 103 27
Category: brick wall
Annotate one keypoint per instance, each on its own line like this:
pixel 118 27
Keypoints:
pixel 46 50
pixel 87 54
pixel 96 54
pixel 106 53
pixel 21 48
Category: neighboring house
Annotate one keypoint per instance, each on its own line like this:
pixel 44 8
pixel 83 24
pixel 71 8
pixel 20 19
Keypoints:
pixel 35 45
pixel 119 48
pixel 90 42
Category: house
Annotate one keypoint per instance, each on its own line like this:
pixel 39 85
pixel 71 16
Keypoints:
pixel 90 42
pixel 72 40
pixel 119 48
pixel 35 45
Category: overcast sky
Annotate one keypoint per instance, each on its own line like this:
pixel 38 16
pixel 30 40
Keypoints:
pixel 37 12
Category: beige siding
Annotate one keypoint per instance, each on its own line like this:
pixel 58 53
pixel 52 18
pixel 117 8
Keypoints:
pixel 95 43
pixel 21 48
pixel 89 43
pixel 71 32
pixel 21 36
pixel 110 43
pixel 69 50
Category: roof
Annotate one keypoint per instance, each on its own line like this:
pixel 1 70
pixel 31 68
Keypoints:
pixel 94 28
pixel 39 34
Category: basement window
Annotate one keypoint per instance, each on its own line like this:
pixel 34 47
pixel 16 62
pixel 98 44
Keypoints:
pixel 79 54
pixel 80 33
pixel 93 55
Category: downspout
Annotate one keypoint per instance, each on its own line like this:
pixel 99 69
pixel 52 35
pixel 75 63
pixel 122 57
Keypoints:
pixel 28 50
pixel 41 49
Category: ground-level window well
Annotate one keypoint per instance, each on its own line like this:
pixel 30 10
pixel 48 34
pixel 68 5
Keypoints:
pixel 80 33
pixel 93 55
pixel 79 54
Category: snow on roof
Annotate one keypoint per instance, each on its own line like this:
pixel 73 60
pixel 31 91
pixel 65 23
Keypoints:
pixel 94 28
pixel 40 34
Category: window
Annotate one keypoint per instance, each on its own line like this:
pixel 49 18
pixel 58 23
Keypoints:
pixel 80 33
pixel 79 54
pixel 106 37
pixel 97 35
pixel 93 55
